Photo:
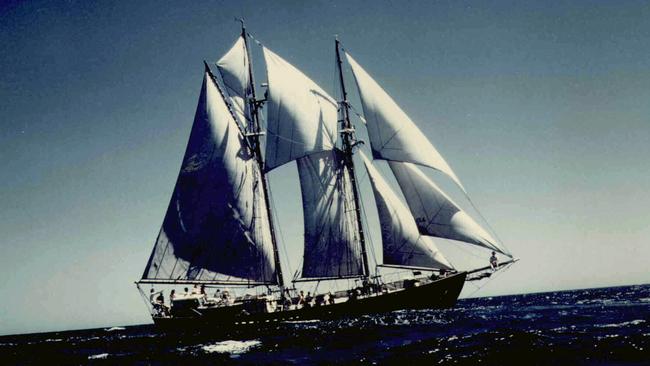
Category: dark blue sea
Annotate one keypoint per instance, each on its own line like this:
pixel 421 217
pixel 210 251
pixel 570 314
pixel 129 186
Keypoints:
pixel 606 326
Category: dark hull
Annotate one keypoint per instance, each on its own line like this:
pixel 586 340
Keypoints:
pixel 439 294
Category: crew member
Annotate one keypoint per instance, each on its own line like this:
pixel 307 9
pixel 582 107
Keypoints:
pixel 494 263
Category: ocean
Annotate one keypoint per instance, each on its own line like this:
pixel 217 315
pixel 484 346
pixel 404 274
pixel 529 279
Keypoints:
pixel 604 326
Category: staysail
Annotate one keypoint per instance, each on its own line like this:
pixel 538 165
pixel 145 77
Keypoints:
pixel 233 69
pixel 216 228
pixel 402 244
pixel 301 117
pixel 435 213
pixel 393 135
pixel 332 247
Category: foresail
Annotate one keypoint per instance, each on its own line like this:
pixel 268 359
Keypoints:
pixel 393 136
pixel 301 117
pixel 233 69
pixel 402 244
pixel 435 213
pixel 332 247
pixel 216 227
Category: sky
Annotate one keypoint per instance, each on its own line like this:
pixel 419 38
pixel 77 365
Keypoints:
pixel 541 109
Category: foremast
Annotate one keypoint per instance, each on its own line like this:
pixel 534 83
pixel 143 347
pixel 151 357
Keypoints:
pixel 254 136
pixel 348 143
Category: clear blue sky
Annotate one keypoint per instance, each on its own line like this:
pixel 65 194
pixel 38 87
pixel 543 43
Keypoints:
pixel 541 108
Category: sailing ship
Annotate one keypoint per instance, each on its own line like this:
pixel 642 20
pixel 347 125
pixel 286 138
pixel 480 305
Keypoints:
pixel 219 231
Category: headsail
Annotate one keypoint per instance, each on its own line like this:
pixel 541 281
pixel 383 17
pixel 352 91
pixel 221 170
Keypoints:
pixel 332 247
pixel 216 227
pixel 393 136
pixel 435 213
pixel 301 116
pixel 233 69
pixel 403 245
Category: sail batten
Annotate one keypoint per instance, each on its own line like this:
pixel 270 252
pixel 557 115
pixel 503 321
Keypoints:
pixel 402 243
pixel 435 213
pixel 216 228
pixel 301 116
pixel 332 246
pixel 393 135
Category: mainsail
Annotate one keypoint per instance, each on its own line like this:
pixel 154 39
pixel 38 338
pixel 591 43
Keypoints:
pixel 216 228
pixel 233 70
pixel 393 136
pixel 435 213
pixel 402 244
pixel 301 117
pixel 332 247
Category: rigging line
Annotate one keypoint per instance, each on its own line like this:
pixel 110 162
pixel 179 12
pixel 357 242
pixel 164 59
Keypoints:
pixel 488 224
pixel 478 288
pixel 255 39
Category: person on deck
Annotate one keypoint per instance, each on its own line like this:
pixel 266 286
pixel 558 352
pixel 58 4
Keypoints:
pixel 494 263
pixel 301 299
pixel 172 296
pixel 186 292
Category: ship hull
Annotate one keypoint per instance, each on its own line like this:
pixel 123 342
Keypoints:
pixel 439 294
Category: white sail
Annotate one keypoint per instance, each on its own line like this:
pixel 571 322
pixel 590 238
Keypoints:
pixel 332 247
pixel 301 118
pixel 435 213
pixel 403 245
pixel 233 69
pixel 393 136
pixel 216 227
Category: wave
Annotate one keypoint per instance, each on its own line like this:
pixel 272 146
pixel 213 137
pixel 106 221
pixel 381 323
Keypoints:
pixel 99 356
pixel 623 324
pixel 231 347
pixel 113 329
pixel 301 321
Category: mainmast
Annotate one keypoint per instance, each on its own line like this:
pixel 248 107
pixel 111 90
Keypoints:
pixel 254 136
pixel 347 134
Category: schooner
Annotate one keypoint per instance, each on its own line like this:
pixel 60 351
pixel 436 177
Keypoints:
pixel 219 231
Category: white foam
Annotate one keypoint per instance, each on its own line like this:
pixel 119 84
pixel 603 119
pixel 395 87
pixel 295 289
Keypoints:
pixel 617 325
pixel 113 329
pixel 231 347
pixel 301 321
pixel 100 356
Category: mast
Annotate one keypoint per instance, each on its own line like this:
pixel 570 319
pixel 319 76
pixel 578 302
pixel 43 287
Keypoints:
pixel 255 138
pixel 348 144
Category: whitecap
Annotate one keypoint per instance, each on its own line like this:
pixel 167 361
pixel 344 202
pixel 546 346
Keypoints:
pixel 100 356
pixel 113 329
pixel 53 340
pixel 231 347
pixel 617 325
pixel 301 321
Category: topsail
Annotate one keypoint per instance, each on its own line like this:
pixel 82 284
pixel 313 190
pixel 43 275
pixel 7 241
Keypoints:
pixel 216 227
pixel 233 69
pixel 301 116
pixel 393 136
